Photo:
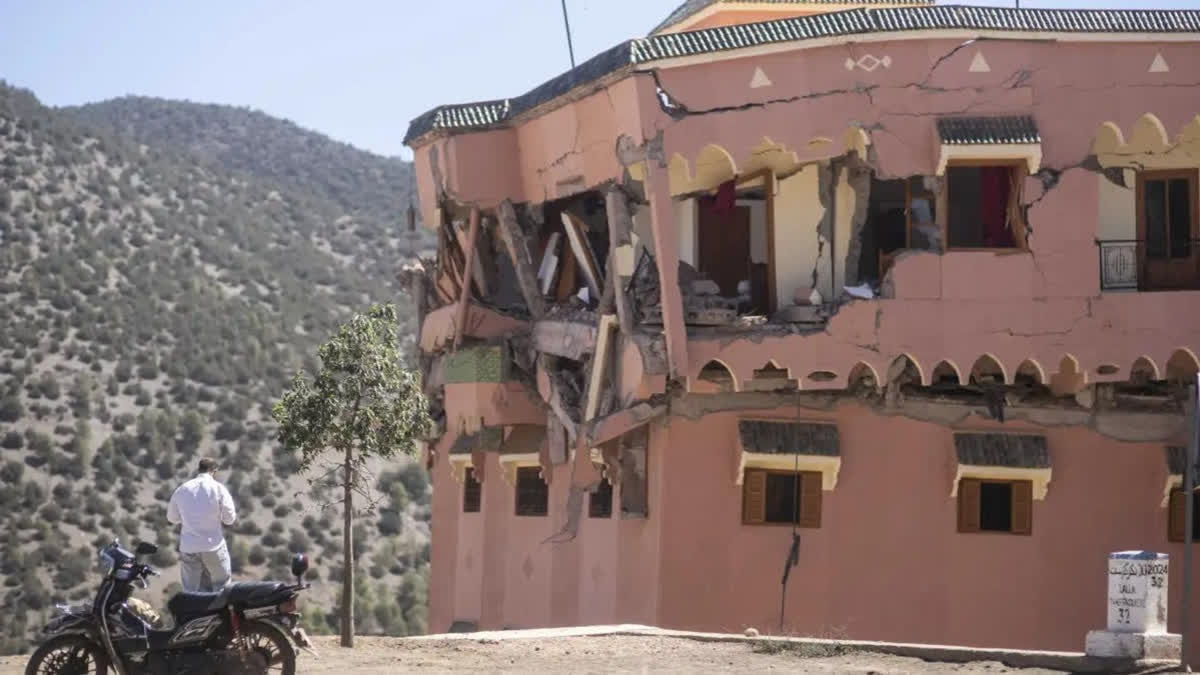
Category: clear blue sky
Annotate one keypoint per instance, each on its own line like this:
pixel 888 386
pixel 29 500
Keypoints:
pixel 357 70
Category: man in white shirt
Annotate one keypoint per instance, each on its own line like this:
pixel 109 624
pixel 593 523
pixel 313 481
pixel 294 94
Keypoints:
pixel 202 505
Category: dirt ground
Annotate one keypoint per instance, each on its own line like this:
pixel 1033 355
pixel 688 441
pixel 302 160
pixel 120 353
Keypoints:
pixel 601 654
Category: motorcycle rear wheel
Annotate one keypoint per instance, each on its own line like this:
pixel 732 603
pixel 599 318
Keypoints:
pixel 274 646
pixel 68 655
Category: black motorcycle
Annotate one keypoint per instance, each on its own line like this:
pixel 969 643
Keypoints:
pixel 248 628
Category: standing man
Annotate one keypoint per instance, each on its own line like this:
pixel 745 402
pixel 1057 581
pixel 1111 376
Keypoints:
pixel 202 505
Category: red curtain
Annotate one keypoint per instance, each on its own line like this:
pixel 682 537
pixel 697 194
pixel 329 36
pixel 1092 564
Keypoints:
pixel 994 187
pixel 723 202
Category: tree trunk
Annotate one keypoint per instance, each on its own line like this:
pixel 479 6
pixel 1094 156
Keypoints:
pixel 348 553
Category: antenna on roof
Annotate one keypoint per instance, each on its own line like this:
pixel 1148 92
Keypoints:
pixel 567 24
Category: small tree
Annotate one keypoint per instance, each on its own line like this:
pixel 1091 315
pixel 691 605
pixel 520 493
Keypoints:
pixel 362 404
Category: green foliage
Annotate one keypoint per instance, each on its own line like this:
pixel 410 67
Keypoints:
pixel 362 403
pixel 155 303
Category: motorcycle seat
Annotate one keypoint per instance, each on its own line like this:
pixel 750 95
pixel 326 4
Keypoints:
pixel 238 594
pixel 255 593
pixel 194 604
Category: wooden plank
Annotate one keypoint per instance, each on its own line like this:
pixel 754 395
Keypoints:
pixel 620 224
pixel 518 251
pixel 599 361
pixel 464 299
pixel 583 253
pixel 478 277
pixel 549 267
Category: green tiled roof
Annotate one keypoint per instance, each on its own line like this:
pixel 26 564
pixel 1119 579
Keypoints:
pixel 987 130
pixel 471 116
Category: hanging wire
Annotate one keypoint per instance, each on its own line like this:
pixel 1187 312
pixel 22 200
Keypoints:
pixel 793 558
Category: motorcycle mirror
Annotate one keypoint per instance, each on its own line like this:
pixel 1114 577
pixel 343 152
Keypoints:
pixel 145 548
pixel 299 565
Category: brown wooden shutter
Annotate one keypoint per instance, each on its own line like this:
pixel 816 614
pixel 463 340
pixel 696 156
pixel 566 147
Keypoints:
pixel 968 505
pixel 810 499
pixel 1175 516
pixel 1022 507
pixel 754 497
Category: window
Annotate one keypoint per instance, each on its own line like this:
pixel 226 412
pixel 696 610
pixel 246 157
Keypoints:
pixel 472 492
pixel 1167 230
pixel 1175 516
pixel 1167 213
pixel 901 214
pixel 533 495
pixel 995 506
pixel 781 497
pixel 600 502
pixel 983 207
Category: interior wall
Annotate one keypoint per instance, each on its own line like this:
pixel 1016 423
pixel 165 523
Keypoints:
pixel 1117 208
pixel 798 215
pixel 845 199
pixel 758 229
pixel 685 226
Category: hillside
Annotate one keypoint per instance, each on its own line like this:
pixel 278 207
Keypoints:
pixel 370 193
pixel 154 303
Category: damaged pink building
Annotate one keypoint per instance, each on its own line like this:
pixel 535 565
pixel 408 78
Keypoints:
pixel 916 283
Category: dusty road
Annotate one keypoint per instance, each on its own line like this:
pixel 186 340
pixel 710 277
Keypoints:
pixel 605 654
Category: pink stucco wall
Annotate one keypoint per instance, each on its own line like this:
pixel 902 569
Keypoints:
pixel 887 562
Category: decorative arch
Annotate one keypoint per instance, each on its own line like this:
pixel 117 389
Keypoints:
pixel 1149 134
pixel 772 369
pixel 1109 139
pixel 718 374
pixel 863 376
pixel 714 165
pixel 1182 366
pixel 946 370
pixel 769 154
pixel 1070 378
pixel 1144 370
pixel 1149 145
pixel 1031 370
pixel 988 367
pixel 905 364
pixel 771 377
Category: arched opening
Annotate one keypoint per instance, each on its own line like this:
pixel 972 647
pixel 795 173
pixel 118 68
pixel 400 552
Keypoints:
pixel 1030 373
pixel 1182 367
pixel 946 374
pixel 863 379
pixel 1143 372
pixel 987 370
pixel 718 376
pixel 905 370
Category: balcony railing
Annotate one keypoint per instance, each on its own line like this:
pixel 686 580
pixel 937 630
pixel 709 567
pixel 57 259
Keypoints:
pixel 1126 264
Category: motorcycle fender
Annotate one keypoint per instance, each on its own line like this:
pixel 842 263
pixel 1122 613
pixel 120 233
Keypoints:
pixel 277 624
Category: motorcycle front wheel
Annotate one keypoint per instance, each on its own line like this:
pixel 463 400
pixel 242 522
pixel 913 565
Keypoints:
pixel 68 655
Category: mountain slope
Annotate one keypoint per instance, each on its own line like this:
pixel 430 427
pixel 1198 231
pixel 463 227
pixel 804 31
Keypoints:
pixel 371 193
pixel 152 307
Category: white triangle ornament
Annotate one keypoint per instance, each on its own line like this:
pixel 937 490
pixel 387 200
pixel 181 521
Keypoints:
pixel 760 79
pixel 979 64
pixel 1159 64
